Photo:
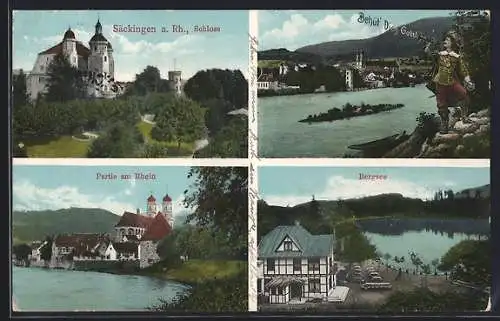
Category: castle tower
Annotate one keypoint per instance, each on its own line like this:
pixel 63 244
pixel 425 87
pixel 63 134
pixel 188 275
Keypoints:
pixel 167 210
pixel 175 80
pixel 151 206
pixel 98 59
pixel 69 47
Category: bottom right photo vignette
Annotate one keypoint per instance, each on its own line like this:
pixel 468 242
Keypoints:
pixel 379 239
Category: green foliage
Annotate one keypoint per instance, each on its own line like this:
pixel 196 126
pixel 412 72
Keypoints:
pixel 19 93
pixel 65 82
pixel 216 295
pixel 427 124
pixel 220 198
pixel 181 121
pixel 36 225
pixel 46 250
pixel 169 251
pixel 119 141
pixel 469 261
pixel 226 85
pixel 148 81
pixel 424 300
pixel 357 247
pixel 230 142
pixel 155 150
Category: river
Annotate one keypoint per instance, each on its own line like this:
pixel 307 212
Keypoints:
pixel 38 289
pixel 281 135
pixel 430 239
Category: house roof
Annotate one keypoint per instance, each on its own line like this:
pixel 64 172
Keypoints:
pixel 309 245
pixel 158 229
pixel 85 240
pixel 81 50
pixel 132 237
pixel 134 220
pixel 126 247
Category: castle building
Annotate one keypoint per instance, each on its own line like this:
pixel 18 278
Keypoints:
pixel 95 61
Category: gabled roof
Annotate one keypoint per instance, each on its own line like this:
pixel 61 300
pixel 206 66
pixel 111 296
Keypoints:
pixel 85 240
pixel 158 229
pixel 310 245
pixel 134 220
pixel 81 50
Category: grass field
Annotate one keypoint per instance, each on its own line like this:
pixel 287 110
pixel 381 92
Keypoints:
pixel 194 271
pixel 54 147
pixel 67 147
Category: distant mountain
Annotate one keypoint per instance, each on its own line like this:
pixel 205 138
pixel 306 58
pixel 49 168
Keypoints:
pixel 36 225
pixel 387 45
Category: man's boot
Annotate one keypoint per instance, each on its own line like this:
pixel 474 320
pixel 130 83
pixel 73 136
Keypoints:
pixel 464 111
pixel 444 116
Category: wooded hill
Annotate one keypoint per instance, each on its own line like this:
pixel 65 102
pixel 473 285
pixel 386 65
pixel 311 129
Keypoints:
pixel 389 44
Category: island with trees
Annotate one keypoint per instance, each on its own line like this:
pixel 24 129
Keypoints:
pixel 349 111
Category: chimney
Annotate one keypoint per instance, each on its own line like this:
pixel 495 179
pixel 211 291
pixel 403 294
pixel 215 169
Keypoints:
pixel 138 211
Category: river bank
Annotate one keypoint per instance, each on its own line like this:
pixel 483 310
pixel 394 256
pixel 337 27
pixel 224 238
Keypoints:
pixel 349 111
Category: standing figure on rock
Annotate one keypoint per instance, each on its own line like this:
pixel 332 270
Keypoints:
pixel 450 72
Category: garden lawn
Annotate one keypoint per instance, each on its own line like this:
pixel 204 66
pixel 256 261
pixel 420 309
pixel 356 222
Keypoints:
pixel 64 146
pixel 195 271
pixel 185 150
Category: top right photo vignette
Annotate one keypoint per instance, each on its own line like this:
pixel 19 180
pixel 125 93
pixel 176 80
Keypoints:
pixel 374 83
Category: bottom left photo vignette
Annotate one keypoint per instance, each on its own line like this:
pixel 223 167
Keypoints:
pixel 129 238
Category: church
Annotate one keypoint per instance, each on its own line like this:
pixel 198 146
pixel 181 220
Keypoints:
pixel 96 63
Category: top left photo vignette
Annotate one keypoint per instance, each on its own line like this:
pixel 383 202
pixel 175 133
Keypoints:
pixel 130 84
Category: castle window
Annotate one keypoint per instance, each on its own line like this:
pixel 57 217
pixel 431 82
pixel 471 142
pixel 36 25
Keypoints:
pixel 95 48
pixel 105 58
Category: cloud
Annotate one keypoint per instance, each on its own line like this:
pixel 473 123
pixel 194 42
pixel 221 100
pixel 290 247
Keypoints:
pixel 29 197
pixel 338 187
pixel 130 189
pixel 299 30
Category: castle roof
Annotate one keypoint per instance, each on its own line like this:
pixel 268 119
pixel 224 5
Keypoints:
pixel 134 220
pixel 81 50
pixel 158 229
pixel 98 37
pixel 69 34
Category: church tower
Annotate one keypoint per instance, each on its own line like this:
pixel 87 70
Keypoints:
pixel 69 47
pixel 167 210
pixel 151 208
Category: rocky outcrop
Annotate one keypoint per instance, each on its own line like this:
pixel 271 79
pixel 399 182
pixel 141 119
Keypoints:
pixel 464 140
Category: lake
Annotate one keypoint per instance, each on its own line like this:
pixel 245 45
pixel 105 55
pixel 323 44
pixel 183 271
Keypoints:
pixel 281 135
pixel 38 289
pixel 430 239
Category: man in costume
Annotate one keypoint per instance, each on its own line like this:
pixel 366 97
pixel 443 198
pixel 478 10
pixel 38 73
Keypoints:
pixel 451 71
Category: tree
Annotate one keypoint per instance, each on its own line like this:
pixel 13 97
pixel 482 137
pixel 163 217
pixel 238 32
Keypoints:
pixel 65 81
pixel 387 257
pixel 19 91
pixel 119 141
pixel 148 81
pixel 155 150
pixel 168 250
pixel 182 121
pixel 435 264
pixel 230 142
pixel 219 196
pixel 22 251
pixel 46 250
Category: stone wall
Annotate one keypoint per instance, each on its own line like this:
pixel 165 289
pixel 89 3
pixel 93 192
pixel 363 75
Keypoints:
pixel 147 254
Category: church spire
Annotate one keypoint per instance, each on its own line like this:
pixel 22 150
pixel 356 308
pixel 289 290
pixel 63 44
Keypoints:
pixel 98 27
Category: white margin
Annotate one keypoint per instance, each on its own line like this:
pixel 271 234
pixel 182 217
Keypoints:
pixel 188 162
pixel 373 162
pixel 253 190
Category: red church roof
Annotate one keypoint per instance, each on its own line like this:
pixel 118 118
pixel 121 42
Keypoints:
pixel 81 50
pixel 158 229
pixel 134 220
pixel 151 198
pixel 167 198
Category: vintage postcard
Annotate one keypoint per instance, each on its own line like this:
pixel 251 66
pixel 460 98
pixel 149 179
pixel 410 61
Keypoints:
pixel 130 84
pixel 374 239
pixel 129 238
pixel 374 84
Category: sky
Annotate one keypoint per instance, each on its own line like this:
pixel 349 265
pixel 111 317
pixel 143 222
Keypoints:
pixel 292 29
pixel 59 187
pixel 289 186
pixel 36 31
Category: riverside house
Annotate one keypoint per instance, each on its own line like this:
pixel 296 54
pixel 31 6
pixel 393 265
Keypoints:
pixel 295 266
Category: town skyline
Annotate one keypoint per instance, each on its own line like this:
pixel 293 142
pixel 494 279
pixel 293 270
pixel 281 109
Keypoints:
pixel 332 183
pixel 292 29
pixel 37 188
pixel 36 31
